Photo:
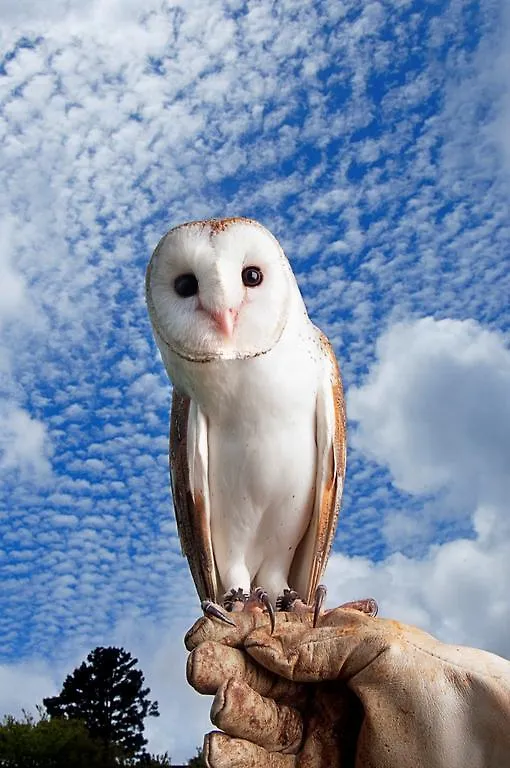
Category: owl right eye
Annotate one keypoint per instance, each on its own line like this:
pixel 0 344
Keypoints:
pixel 186 285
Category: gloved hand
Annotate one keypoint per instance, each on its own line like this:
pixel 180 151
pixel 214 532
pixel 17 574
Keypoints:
pixel 356 692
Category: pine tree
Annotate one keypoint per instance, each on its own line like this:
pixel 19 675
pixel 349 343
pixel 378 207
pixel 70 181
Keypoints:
pixel 107 694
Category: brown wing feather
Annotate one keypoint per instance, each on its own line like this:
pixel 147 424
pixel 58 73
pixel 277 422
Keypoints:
pixel 314 549
pixel 190 512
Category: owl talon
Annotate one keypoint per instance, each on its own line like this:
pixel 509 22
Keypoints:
pixel 211 609
pixel 263 597
pixel 320 596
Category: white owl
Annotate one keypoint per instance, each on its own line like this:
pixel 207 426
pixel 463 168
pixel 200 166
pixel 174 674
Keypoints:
pixel 257 444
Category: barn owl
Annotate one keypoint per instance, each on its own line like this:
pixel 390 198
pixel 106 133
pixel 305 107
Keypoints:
pixel 257 436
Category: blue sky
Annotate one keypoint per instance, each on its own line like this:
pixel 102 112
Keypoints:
pixel 373 139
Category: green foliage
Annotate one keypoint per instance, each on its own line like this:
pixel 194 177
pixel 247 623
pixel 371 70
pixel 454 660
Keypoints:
pixel 154 761
pixel 107 694
pixel 27 743
pixel 197 761
pixel 61 743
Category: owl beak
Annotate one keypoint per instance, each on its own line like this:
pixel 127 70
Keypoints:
pixel 225 321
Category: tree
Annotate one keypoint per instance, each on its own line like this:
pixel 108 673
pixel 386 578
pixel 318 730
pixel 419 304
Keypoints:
pixel 44 743
pixel 107 694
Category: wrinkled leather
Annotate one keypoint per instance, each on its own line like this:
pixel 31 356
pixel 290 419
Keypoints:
pixel 355 692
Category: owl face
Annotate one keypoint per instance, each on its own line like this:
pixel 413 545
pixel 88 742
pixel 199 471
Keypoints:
pixel 219 289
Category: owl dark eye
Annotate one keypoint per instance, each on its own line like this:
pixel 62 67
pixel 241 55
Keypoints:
pixel 186 285
pixel 252 276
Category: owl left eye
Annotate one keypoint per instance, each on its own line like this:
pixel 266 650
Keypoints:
pixel 186 285
pixel 252 276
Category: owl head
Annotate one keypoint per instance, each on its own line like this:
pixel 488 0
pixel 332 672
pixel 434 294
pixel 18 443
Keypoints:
pixel 219 289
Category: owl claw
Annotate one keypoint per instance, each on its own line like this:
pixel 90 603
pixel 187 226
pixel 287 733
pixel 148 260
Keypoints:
pixel 211 609
pixel 262 595
pixel 320 596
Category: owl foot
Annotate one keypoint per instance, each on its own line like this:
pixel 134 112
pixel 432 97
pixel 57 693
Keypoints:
pixel 287 601
pixel 258 599
pixel 291 601
pixel 216 611
pixel 235 600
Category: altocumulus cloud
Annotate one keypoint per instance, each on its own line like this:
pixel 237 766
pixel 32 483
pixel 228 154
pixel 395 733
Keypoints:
pixel 23 442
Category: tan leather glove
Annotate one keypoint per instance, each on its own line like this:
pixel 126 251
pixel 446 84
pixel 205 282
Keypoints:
pixel 356 692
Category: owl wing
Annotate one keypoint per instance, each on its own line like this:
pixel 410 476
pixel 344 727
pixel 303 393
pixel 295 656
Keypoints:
pixel 190 491
pixel 312 554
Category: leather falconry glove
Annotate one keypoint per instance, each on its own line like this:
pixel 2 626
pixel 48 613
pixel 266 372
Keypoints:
pixel 355 692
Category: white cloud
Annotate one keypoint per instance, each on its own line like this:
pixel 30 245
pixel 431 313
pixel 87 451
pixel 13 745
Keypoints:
pixel 12 286
pixel 24 443
pixel 24 685
pixel 435 409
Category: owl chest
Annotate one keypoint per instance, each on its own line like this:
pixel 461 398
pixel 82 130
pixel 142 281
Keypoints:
pixel 261 486
pixel 262 449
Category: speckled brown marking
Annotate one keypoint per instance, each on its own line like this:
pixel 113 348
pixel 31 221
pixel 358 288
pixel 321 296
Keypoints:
pixel 220 225
pixel 214 225
pixel 192 524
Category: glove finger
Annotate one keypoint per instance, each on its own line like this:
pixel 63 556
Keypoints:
pixel 246 621
pixel 354 621
pixel 243 713
pixel 222 751
pixel 210 664
pixel 342 616
pixel 321 750
pixel 305 654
